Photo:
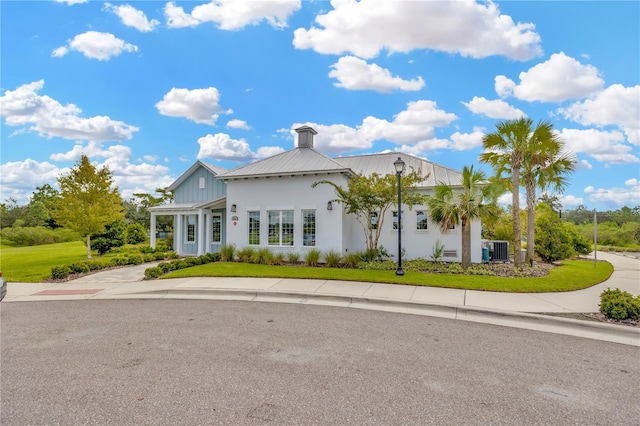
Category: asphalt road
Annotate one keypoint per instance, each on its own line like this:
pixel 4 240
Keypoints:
pixel 123 362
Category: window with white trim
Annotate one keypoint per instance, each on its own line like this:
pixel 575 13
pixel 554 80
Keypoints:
pixel 216 228
pixel 373 220
pixel 280 227
pixel 421 220
pixel 395 220
pixel 309 228
pixel 254 228
pixel 191 229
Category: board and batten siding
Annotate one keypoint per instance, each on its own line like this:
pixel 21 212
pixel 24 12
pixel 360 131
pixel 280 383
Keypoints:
pixel 190 190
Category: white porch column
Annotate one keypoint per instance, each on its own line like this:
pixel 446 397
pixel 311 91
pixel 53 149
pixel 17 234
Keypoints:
pixel 177 230
pixel 209 232
pixel 152 237
pixel 201 232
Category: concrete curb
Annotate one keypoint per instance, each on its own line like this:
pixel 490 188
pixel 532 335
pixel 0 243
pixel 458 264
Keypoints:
pixel 538 322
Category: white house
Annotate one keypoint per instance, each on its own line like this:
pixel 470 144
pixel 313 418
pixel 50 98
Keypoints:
pixel 271 203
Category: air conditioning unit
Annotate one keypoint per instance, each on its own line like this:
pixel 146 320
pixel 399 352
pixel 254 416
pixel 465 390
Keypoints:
pixel 498 250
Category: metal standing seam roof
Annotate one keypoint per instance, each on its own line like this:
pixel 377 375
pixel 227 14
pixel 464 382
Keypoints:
pixel 294 162
pixel 382 164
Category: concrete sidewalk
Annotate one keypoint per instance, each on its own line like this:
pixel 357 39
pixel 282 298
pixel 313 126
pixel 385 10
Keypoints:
pixel 511 309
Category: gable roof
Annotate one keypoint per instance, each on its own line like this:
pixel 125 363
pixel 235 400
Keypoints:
pixel 382 164
pixel 293 162
pixel 215 170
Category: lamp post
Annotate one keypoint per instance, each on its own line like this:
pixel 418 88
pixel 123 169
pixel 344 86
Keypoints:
pixel 399 165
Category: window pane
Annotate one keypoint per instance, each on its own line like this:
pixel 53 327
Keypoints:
pixel 421 219
pixel 274 228
pixel 254 228
pixel 309 228
pixel 216 224
pixel 374 220
pixel 395 220
pixel 287 228
pixel 191 229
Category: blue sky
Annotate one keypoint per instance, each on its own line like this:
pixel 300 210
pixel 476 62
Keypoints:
pixel 149 87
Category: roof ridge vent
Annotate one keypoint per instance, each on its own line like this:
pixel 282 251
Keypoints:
pixel 305 136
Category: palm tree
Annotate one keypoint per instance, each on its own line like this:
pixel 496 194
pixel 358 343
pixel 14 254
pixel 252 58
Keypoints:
pixel 450 207
pixel 505 152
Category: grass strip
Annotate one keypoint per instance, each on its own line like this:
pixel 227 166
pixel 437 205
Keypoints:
pixel 33 264
pixel 570 275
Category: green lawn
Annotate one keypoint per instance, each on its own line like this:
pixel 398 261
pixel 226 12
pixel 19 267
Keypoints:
pixel 571 275
pixel 33 264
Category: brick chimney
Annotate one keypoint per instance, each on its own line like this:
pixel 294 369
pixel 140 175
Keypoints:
pixel 305 136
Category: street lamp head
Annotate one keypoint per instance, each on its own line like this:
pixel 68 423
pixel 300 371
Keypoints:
pixel 399 165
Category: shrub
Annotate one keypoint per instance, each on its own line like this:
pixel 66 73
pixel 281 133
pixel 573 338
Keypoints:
pixel 227 253
pixel 378 265
pixel 153 272
pixel 332 259
pixel 312 257
pixel 146 249
pixel 437 251
pixel 159 256
pixel 79 268
pixel 60 272
pixel 135 233
pixel 211 257
pixel 618 304
pixel 121 261
pixel 261 256
pixel 293 257
pixel 245 254
pixel 149 257
pixel 135 259
pixel 351 260
pixel 277 259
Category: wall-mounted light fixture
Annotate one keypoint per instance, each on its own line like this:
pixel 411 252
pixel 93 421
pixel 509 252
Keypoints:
pixel 329 205
pixel 233 207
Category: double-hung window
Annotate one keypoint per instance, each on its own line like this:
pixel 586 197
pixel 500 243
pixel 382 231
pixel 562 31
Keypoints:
pixel 191 229
pixel 395 220
pixel 280 227
pixel 254 228
pixel 309 228
pixel 216 228
pixel 421 220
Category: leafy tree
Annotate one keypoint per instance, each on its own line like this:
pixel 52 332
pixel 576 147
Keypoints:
pixel 136 233
pixel 450 206
pixel 374 195
pixel 42 204
pixel 87 201
pixel 553 241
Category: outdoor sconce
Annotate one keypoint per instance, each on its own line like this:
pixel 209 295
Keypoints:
pixel 233 208
pixel 329 205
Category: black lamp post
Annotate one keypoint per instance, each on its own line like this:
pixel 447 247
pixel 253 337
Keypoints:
pixel 399 165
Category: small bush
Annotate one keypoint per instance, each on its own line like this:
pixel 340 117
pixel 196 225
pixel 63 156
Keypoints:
pixel 159 256
pixel 146 249
pixel 135 233
pixel 262 256
pixel 60 272
pixel 135 259
pixel 149 257
pixel 332 259
pixel 79 268
pixel 245 254
pixel 618 304
pixel 121 261
pixel 312 257
pixel 351 260
pixel 277 259
pixel 293 257
pixel 211 257
pixel 378 265
pixel 227 253
pixel 153 272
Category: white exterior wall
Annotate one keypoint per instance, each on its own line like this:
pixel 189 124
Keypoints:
pixel 285 193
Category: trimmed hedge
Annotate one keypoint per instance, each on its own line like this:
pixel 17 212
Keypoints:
pixel 174 265
pixel 620 305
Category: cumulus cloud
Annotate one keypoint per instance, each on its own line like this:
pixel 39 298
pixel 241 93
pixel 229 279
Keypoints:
pixel 20 178
pixel 233 14
pixel 617 106
pixel 583 165
pixel 49 118
pixel 556 80
pixel 238 124
pixel 467 141
pixel 132 17
pixel 606 147
pixel 497 108
pixel 199 105
pixel 356 74
pixel 570 201
pixel 466 27
pixel 616 197
pixel 96 45
pixel 222 147
pixel 268 151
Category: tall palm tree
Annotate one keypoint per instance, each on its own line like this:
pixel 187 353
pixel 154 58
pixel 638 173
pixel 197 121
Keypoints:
pixel 505 151
pixel 450 206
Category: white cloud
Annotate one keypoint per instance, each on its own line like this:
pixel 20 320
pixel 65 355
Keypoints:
pixel 96 45
pixel 222 147
pixel 233 14
pixel 570 201
pixel 24 107
pixel 238 124
pixel 497 109
pixel 556 80
pixel 467 141
pixel 132 17
pixel 615 106
pixel 268 151
pixel 177 17
pixel 356 74
pixel 20 178
pixel 583 165
pixel 413 126
pixel 504 86
pixel 616 197
pixel 424 146
pixel 199 105
pixel 72 2
pixel 471 29
pixel 606 147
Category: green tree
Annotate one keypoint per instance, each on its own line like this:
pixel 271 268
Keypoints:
pixel 546 166
pixel 42 204
pixel 452 205
pixel 375 195
pixel 87 201
pixel 553 240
